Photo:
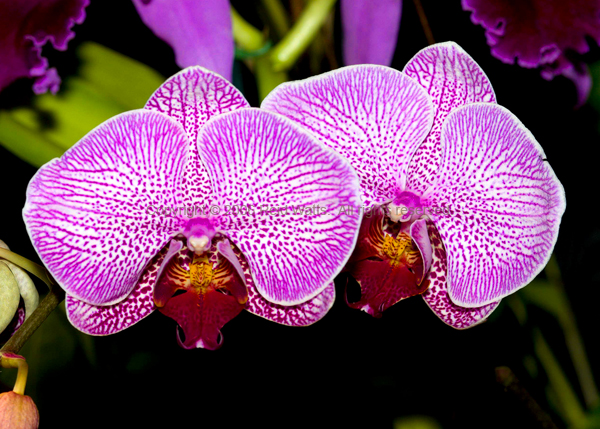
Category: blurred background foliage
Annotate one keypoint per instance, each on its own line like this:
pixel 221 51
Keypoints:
pixel 407 370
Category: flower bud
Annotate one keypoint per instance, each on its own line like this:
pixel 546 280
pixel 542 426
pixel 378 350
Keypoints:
pixel 18 412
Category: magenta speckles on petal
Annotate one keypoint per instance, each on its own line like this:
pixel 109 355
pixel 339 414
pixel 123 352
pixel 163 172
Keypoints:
pixel 452 79
pixel 192 97
pixel 88 213
pixel 110 319
pixel 199 31
pixel 370 30
pixel 437 298
pixel 506 203
pixel 25 27
pixel 374 116
pixel 263 161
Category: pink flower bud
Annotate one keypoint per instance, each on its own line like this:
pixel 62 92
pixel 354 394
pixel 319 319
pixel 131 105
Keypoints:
pixel 18 411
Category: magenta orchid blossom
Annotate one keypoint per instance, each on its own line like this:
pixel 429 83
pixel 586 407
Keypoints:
pixel 461 205
pixel 25 27
pixel 137 216
pixel 550 34
pixel 199 31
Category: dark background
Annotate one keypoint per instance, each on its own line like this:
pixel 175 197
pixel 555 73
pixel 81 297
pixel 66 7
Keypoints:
pixel 348 370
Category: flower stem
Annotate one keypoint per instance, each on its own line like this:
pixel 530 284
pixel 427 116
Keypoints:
pixel 286 52
pixel 277 16
pixel 11 360
pixel 54 297
pixel 35 269
pixel 244 34
pixel 424 22
pixel 566 318
pixel 512 385
pixel 571 408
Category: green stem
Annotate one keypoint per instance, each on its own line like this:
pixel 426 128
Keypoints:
pixel 277 16
pixel 54 297
pixel 572 409
pixel 266 78
pixel 566 318
pixel 286 52
pixel 512 385
pixel 245 35
pixel 35 269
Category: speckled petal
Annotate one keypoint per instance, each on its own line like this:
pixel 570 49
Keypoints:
pixel 374 116
pixel 110 319
pixel 299 232
pixel 420 235
pixel 91 213
pixel 370 30
pixel 452 78
pixel 192 97
pixel 303 314
pixel 436 296
pixel 505 203
pixel 199 31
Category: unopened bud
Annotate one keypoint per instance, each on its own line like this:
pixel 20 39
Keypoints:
pixel 18 412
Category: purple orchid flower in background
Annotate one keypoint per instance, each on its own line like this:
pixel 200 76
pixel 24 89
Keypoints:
pixel 370 30
pixel 199 31
pixel 25 27
pixel 461 205
pixel 541 33
pixel 94 215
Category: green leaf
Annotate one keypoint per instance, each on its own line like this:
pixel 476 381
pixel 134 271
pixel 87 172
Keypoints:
pixel 107 83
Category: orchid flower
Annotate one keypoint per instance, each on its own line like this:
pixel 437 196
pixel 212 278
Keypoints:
pixel 141 208
pixel 546 34
pixel 461 205
pixel 199 31
pixel 25 27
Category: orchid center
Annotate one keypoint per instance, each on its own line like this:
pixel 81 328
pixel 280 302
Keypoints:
pixel 394 248
pixel 199 232
pixel 201 272
pixel 406 207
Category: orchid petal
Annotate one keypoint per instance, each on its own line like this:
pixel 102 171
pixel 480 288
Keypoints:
pixel 506 204
pixel 452 78
pixel 199 31
pixel 25 27
pixel 258 159
pixel 192 97
pixel 436 296
pixel 420 235
pixel 90 213
pixel 303 314
pixel 374 116
pixel 537 32
pixel 110 319
pixel 370 30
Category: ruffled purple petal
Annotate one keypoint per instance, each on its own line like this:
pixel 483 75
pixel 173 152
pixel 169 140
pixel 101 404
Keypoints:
pixel 25 27
pixel 370 30
pixel 91 214
pixel 436 296
pixel 192 97
pixel 292 196
pixel 374 116
pixel 110 319
pixel 537 32
pixel 505 203
pixel 452 78
pixel 199 31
